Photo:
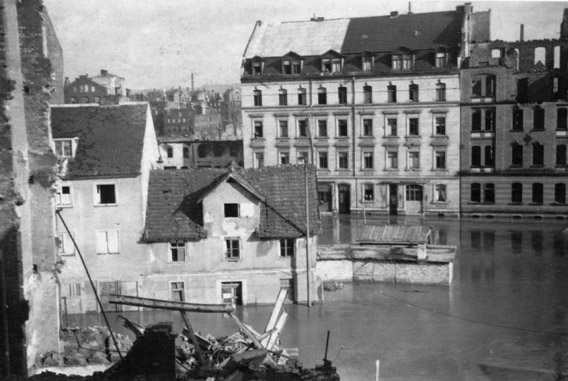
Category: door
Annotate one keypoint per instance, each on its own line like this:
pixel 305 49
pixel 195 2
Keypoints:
pixel 324 197
pixel 344 195
pixel 393 199
pixel 232 293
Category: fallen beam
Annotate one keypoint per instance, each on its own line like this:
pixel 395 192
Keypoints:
pixel 169 305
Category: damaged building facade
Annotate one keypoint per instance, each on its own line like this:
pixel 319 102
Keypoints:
pixel 377 112
pixel 31 78
pixel 514 128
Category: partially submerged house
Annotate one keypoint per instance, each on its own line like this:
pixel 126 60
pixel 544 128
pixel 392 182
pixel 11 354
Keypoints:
pixel 231 236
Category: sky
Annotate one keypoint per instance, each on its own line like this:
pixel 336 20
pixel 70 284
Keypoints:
pixel 159 43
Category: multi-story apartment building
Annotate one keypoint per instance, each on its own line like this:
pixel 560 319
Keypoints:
pixel 377 111
pixel 514 129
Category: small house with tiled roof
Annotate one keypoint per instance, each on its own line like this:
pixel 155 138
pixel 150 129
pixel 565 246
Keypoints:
pixel 373 102
pixel 233 236
pixel 105 154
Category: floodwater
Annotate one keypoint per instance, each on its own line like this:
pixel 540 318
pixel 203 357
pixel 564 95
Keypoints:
pixel 507 307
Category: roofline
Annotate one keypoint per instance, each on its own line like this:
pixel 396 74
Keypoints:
pixel 95 177
pixel 72 105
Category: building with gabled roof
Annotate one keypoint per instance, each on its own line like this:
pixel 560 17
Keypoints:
pixel 234 236
pixel 105 156
pixel 373 102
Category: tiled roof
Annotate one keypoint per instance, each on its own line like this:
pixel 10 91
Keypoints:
pixel 415 31
pixel 376 34
pixel 174 211
pixel 111 138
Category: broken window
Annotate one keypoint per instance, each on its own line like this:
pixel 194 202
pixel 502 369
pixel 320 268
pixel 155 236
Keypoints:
pixel 287 246
pixel 231 210
pixel 177 251
pixel 540 56
pixel 106 194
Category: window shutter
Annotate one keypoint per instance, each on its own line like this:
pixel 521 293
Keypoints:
pixel 112 236
pixel 102 242
pixel 68 247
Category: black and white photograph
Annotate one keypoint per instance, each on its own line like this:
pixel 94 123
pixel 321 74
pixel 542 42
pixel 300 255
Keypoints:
pixel 283 190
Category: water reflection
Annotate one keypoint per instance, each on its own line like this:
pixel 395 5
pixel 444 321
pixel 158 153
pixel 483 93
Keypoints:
pixel 507 305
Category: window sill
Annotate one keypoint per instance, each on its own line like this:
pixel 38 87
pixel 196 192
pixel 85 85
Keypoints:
pixel 558 204
pixel 232 259
pixel 63 206
pixel 515 203
pixel 537 166
pixel 537 130
pixel 440 203
pixel 440 170
pixel 105 205
pixel 108 253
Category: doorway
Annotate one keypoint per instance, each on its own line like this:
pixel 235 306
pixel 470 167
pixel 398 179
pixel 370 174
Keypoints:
pixel 344 195
pixel 393 199
pixel 232 293
pixel 324 197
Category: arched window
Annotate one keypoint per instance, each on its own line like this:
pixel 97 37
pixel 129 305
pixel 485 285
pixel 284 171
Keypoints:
pixel 440 92
pixel 367 94
pixel 475 192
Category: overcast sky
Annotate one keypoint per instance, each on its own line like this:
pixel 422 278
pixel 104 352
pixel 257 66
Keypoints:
pixel 159 43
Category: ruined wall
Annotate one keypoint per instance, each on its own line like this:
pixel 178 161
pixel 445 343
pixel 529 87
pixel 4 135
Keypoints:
pixel 26 172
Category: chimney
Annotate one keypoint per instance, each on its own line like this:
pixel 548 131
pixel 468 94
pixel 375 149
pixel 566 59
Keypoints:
pixel 192 88
pixel 104 73
pixel 393 14
pixel 409 8
pixel 522 32
pixel 564 25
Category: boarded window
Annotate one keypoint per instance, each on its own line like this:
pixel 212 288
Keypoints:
pixel 107 242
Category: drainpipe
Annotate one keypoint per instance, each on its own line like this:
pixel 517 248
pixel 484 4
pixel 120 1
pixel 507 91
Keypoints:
pixel 354 139
pixel 310 120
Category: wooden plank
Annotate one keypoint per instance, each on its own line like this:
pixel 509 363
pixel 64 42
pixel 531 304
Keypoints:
pixel 192 337
pixel 279 325
pixel 169 305
pixel 253 338
pixel 275 313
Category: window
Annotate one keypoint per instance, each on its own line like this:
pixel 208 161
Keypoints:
pixel 392 160
pixel 367 160
pixel 231 210
pixel 517 155
pixel 185 152
pixel 562 118
pixel 258 129
pixel 440 92
pixel 302 98
pixel 178 293
pixel 440 122
pixel 257 95
pixel 368 192
pixel 489 193
pixel 479 116
pixel 440 160
pixel 287 247
pixel 177 251
pixel 283 128
pixel 538 118
pixel 538 154
pixel 396 62
pixel 476 156
pixel 335 65
pixel 483 86
pixel 303 127
pixel 539 55
pixel 343 160
pixel 489 156
pixel 282 97
pixel 284 157
pixel 342 95
pixel 303 157
pixel 322 128
pixel 233 250
pixel 440 193
pixel 322 160
pixel 476 120
pixel 66 246
pixel 414 160
pixel 367 94
pixel 286 67
pixel 537 193
pixel 490 120
pixel 475 195
pixel 106 194
pixel 64 148
pixel 322 96
pixel 391 94
pixel 367 127
pixel 342 127
pixel 63 196
pixel 441 59
pixel 326 65
pixel 516 193
pixel 560 193
pixel 170 152
pixel 561 155
pixel 413 127
pixel 97 99
pixel 257 67
pixel 413 92
pixel 413 192
pixel 366 63
pixel 391 127
pixel 517 119
pixel 107 242
pixel 259 159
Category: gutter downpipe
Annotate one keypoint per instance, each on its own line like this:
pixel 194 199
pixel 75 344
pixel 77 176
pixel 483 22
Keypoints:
pixel 308 269
pixel 353 119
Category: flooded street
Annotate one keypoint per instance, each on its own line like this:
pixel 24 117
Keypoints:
pixel 507 306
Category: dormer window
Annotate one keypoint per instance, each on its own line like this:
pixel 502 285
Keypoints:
pixel 331 62
pixel 402 61
pixel 441 59
pixel 366 63
pixel 257 65
pixel 65 147
pixel 291 63
pixel 326 65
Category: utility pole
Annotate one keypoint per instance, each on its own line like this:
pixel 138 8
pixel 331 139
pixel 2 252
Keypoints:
pixel 307 236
